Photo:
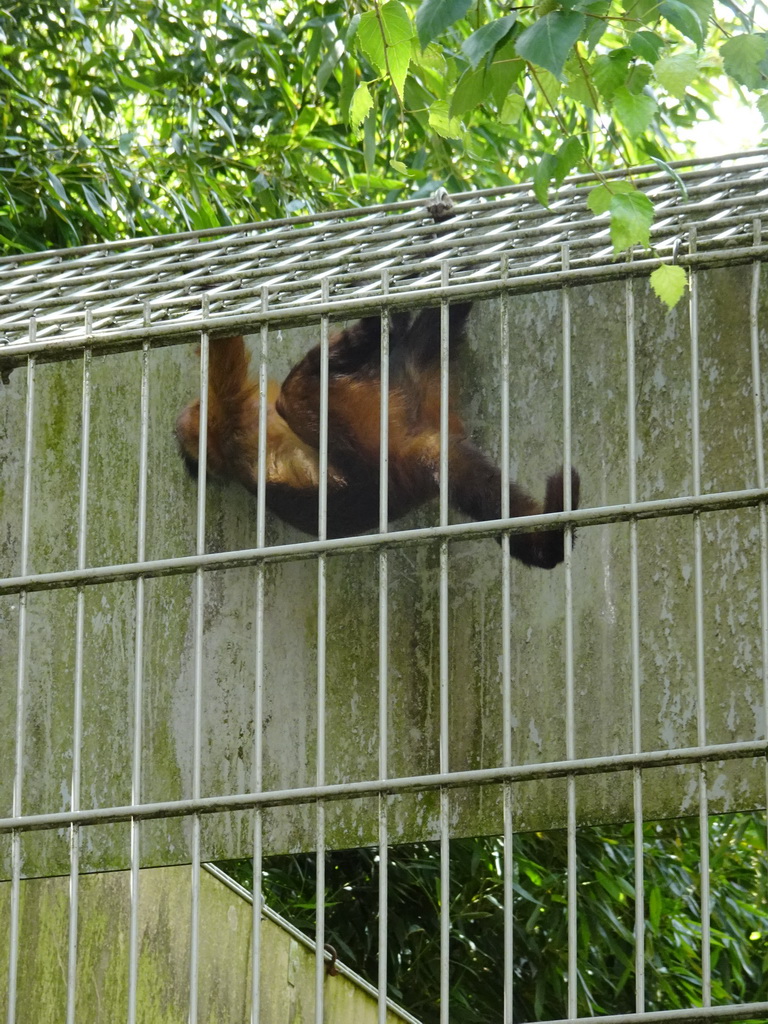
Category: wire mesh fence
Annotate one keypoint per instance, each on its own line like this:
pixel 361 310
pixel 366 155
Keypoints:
pixel 80 587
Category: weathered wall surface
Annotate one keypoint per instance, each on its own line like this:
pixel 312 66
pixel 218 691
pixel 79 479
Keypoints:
pixel 601 600
pixel 162 990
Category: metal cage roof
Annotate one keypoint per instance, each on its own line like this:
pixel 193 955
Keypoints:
pixel 343 262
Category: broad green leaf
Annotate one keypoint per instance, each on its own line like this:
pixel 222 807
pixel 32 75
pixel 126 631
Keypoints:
pixel 441 122
pixel 600 198
pixel 549 88
pixel 484 39
pixel 610 71
pixel 434 16
pixel 669 282
pixel 398 166
pixel 684 18
pixel 505 69
pixel 762 106
pixel 645 12
pixel 548 41
pixel 569 156
pixel 513 107
pixel 634 111
pixel 386 42
pixel 631 219
pixel 470 91
pixel 675 73
pixel 362 103
pixel 741 59
pixel 638 77
pixel 647 45
pixel 429 59
pixel 579 84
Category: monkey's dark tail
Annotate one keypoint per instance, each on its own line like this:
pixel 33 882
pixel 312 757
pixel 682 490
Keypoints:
pixel 546 549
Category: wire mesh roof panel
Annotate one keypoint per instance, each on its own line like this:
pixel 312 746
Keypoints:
pixel 169 285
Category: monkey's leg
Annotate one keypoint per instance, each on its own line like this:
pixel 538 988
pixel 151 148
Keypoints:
pixel 475 488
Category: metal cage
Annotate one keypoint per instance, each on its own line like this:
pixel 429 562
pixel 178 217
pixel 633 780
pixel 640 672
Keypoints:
pixel 142 295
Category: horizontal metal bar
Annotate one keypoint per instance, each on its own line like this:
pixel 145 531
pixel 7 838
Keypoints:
pixel 659 508
pixel 307 943
pixel 377 787
pixel 695 1015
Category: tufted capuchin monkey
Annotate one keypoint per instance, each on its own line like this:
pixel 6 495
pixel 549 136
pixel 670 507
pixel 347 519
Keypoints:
pixel 293 417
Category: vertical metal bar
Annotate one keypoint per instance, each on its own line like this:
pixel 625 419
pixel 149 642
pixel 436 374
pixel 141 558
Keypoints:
pixel 698 588
pixel 258 708
pixel 138 683
pixel 21 686
pixel 634 614
pixel 77 725
pixel 570 728
pixel 445 852
pixel 757 398
pixel 199 592
pixel 383 652
pixel 322 528
pixel 506 661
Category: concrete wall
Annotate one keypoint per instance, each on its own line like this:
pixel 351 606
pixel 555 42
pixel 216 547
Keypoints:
pixel 162 991
pixel 601 599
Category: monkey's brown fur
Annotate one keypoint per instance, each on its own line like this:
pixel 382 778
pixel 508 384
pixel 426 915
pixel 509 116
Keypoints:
pixel 292 471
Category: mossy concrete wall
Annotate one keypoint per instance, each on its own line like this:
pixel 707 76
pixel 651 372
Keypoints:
pixel 732 647
pixel 287 978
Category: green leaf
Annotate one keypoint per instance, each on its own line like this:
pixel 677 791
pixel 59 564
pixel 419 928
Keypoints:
pixel 669 282
pixel 673 174
pixel 548 41
pixel 569 156
pixel 762 106
pixel 387 43
pixel 441 122
pixel 484 39
pixel 545 170
pixel 125 141
pixel 434 16
pixel 610 72
pixel 513 107
pixel 639 76
pixel 548 86
pixel 631 219
pixel 599 199
pixel 361 104
pixel 58 188
pixel 369 142
pixel 579 84
pixel 470 91
pixel 684 18
pixel 646 12
pixel 221 122
pixel 741 59
pixel 634 111
pixel 647 45
pixel 676 73
pixel 504 71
